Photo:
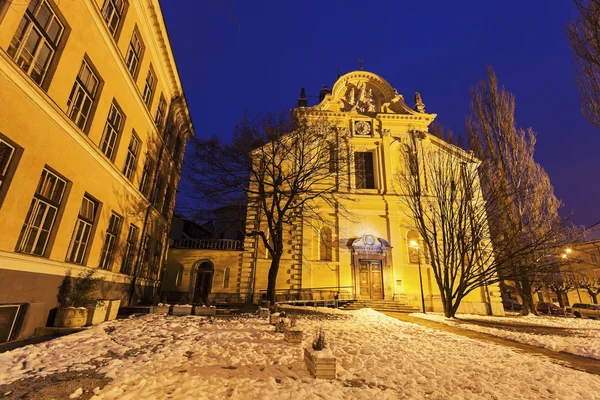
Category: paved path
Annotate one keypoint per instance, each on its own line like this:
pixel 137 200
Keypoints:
pixel 589 365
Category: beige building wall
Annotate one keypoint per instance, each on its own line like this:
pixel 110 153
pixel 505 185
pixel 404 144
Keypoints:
pixel 35 121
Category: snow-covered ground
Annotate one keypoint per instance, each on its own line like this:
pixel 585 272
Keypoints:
pixel 379 357
pixel 568 335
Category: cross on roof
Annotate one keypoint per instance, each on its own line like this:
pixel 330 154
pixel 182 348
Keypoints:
pixel 361 61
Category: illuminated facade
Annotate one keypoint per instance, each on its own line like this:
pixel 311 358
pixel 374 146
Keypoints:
pixel 364 254
pixel 93 127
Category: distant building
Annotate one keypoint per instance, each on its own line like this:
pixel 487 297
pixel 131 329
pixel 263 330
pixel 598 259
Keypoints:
pixel 93 128
pixel 365 257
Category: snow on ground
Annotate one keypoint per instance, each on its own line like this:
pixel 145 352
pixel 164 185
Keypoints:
pixel 569 335
pixel 379 357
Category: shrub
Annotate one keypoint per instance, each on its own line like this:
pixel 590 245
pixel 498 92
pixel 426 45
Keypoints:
pixel 77 292
pixel 64 291
pixel 320 342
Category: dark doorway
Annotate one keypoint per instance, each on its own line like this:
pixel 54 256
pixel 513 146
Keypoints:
pixel 371 280
pixel 204 279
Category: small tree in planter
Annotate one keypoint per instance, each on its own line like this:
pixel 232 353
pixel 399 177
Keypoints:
pixel 292 334
pixel 319 359
pixel 72 298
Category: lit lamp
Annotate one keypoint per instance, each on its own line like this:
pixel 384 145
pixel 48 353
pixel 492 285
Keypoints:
pixel 415 245
pixel 565 256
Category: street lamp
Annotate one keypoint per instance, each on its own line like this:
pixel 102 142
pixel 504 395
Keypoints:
pixel 565 255
pixel 414 244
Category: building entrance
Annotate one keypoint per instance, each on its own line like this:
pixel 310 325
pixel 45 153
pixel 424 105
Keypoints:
pixel 371 280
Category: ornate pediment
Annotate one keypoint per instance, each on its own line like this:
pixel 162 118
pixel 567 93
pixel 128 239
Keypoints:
pixel 363 92
pixel 370 243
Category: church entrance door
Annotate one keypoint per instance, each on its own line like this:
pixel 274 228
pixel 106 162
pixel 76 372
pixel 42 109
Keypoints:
pixel 371 280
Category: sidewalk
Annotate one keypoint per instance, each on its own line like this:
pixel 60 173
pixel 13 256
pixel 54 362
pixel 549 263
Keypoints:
pixel 589 365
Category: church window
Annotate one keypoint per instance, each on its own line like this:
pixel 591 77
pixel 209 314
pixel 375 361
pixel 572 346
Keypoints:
pixel 364 170
pixel 413 253
pixel 326 241
pixel 226 278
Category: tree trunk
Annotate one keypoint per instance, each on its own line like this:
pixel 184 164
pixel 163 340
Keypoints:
pixel 559 294
pixel 594 296
pixel 524 289
pixel 449 310
pixel 273 270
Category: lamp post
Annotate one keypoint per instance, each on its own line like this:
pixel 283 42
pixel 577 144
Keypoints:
pixel 414 244
pixel 565 255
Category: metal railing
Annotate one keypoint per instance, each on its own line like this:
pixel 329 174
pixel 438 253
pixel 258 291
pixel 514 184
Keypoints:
pixel 208 244
pixel 325 294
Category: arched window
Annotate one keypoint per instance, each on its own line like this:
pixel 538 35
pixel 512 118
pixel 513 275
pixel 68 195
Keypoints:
pixel 326 238
pixel 226 278
pixel 332 158
pixel 413 253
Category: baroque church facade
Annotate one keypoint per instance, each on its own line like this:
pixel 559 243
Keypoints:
pixel 364 254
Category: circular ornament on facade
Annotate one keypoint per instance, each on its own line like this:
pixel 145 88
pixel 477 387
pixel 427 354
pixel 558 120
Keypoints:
pixel 362 128
pixel 370 240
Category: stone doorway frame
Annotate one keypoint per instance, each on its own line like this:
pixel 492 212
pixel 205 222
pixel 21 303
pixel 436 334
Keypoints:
pixel 378 251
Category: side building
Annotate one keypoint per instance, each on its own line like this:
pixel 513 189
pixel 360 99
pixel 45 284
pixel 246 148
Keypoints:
pixel 93 128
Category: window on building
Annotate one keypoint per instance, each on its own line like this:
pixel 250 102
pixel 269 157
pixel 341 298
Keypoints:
pixel 149 88
pixel 145 257
pixel 156 261
pixel 178 152
pixel 413 253
pixel 326 240
pixel 131 158
pixel 41 216
pixel 593 256
pixel 540 296
pixel 82 96
pixel 226 274
pixel 364 170
pixel 179 276
pixel 112 12
pixel 81 234
pixel 129 253
pixel 146 175
pixel 134 54
pixel 167 202
pixel 34 44
pixel 110 241
pixel 161 112
pixel 156 197
pixel 7 152
pixel 112 129
pixel 332 158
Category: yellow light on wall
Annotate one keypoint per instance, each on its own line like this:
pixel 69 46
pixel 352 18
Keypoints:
pixel 568 250
pixel 414 244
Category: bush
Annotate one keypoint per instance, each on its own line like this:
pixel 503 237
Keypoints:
pixel 79 293
pixel 319 343
pixel 64 291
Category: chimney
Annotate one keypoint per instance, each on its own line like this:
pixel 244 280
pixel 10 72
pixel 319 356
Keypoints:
pixel 302 100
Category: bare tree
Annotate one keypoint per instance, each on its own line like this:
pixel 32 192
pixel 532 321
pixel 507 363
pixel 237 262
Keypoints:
pixel 440 189
pixel 583 34
pixel 592 285
pixel 510 174
pixel 283 167
pixel 559 284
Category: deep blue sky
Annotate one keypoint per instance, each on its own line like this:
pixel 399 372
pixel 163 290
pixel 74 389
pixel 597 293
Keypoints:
pixel 438 48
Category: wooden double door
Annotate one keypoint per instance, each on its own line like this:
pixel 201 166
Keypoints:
pixel 371 280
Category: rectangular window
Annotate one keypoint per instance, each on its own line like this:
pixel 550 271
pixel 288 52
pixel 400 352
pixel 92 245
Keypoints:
pixel 146 176
pixel 131 159
pixel 167 202
pixel 127 264
pixel 110 241
pixel 34 44
pixel 156 258
pixel 7 152
pixel 134 54
pixel 364 170
pixel 145 253
pixel 82 96
pixel 112 12
pixel 155 199
pixel 178 152
pixel 83 228
pixel 112 128
pixel 149 88
pixel 160 113
pixel 42 214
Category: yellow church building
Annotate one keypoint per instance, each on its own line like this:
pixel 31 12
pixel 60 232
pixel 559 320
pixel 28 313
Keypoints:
pixel 365 254
pixel 93 128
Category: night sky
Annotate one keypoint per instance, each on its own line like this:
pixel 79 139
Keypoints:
pixel 438 48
